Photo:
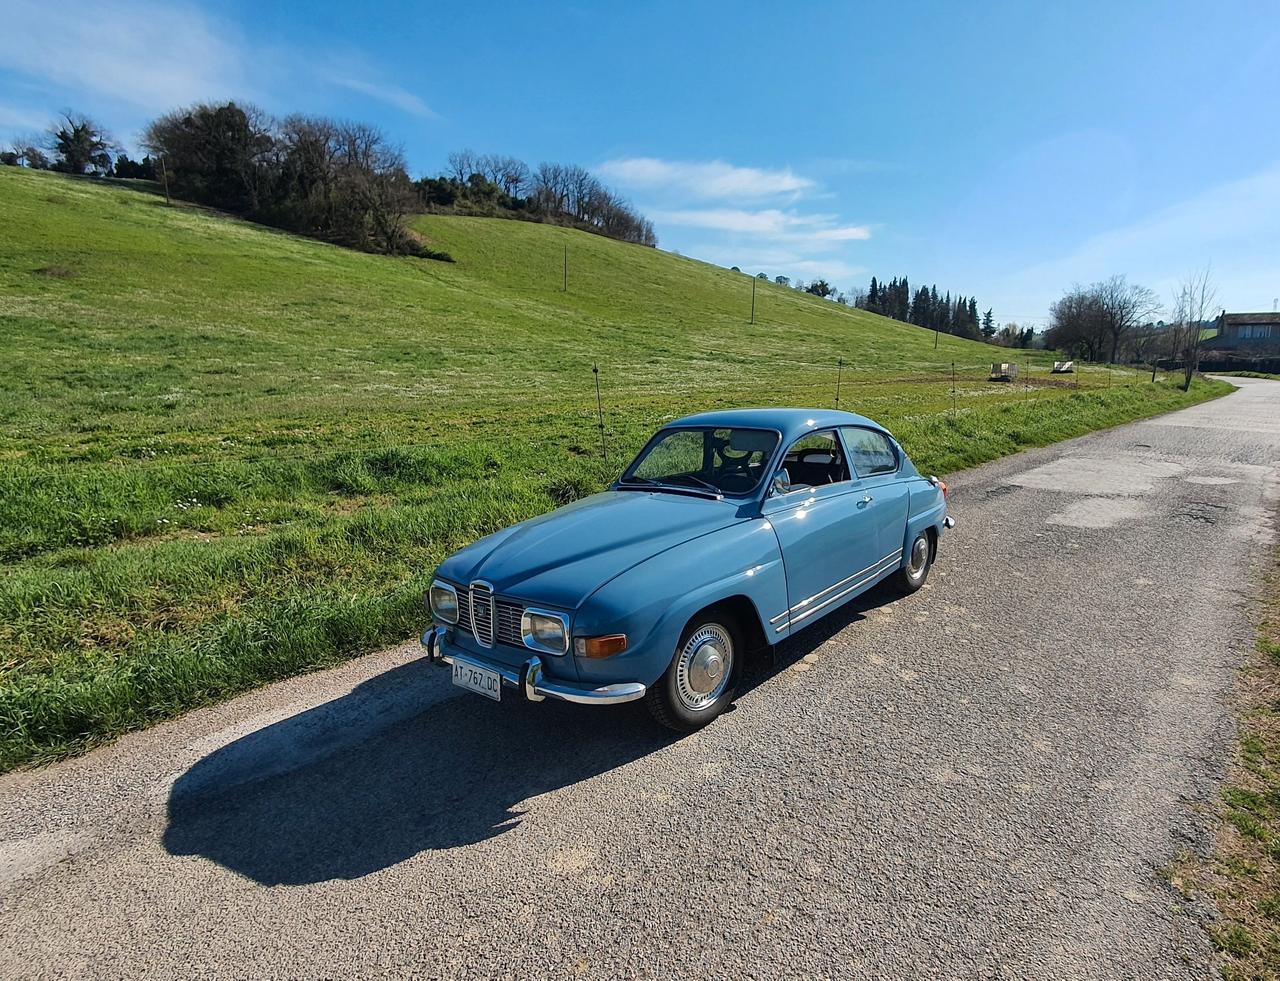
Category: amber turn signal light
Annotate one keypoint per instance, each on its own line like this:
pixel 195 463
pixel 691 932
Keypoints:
pixel 606 646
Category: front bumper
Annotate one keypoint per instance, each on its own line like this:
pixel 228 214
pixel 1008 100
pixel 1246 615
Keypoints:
pixel 529 679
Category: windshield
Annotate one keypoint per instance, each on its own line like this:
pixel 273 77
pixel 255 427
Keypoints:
pixel 718 460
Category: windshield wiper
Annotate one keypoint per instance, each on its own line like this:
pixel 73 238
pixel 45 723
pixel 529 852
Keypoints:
pixel 648 483
pixel 704 483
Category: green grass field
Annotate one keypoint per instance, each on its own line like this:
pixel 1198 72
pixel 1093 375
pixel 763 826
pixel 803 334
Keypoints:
pixel 229 454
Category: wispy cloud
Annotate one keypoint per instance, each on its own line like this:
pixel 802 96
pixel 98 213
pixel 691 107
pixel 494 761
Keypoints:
pixel 143 57
pixel 749 216
pixel 392 95
pixel 148 55
pixel 774 260
pixel 17 120
pixel 1230 226
pixel 710 180
pixel 769 221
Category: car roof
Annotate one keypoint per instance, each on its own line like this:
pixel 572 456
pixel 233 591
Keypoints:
pixel 792 423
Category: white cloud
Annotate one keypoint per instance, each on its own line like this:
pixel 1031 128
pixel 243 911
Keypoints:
pixel 770 221
pixel 393 95
pixel 774 261
pixel 22 120
pixel 712 179
pixel 750 217
pixel 148 55
pixel 152 57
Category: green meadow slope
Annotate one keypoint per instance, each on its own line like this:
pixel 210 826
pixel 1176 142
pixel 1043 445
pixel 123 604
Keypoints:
pixel 228 454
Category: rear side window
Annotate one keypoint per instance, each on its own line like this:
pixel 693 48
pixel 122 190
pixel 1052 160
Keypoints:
pixel 870 452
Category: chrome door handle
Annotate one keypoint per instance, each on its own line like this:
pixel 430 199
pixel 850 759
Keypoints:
pixel 865 501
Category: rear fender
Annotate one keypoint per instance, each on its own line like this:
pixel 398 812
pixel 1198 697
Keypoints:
pixel 927 509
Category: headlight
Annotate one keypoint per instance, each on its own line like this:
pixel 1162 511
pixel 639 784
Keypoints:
pixel 543 630
pixel 443 599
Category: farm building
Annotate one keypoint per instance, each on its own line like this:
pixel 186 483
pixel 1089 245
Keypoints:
pixel 1246 331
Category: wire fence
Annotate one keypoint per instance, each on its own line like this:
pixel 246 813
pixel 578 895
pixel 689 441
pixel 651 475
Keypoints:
pixel 602 400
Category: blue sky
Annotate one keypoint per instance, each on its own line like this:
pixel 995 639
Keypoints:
pixel 1007 150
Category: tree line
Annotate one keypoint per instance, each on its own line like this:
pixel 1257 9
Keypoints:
pixel 506 187
pixel 339 181
pixel 1108 319
pixel 924 307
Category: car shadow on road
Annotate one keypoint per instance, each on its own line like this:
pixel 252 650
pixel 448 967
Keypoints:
pixel 403 763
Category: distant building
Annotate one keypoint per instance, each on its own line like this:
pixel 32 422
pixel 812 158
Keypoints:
pixel 1246 332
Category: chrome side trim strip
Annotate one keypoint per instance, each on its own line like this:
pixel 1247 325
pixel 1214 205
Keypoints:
pixel 896 554
pixel 882 566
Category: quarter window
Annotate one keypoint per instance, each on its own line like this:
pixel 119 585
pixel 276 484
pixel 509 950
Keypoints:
pixel 870 452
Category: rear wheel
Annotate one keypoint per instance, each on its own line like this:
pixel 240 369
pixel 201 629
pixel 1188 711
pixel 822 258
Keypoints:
pixel 700 682
pixel 919 560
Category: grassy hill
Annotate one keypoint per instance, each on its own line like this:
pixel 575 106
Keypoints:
pixel 228 454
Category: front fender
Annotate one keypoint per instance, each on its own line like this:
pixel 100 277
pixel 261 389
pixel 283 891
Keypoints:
pixel 653 602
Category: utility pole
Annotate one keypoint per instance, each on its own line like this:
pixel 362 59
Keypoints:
pixel 595 370
pixel 164 175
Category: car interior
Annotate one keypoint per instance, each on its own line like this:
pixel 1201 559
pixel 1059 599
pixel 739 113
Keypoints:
pixel 816 460
pixel 739 457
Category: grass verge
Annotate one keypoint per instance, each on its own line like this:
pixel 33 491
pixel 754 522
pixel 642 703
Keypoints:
pixel 1243 874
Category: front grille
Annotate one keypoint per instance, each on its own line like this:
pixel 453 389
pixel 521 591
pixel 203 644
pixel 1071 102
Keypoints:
pixel 501 622
pixel 508 620
pixel 482 613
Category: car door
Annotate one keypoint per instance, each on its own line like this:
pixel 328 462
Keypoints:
pixel 877 463
pixel 828 538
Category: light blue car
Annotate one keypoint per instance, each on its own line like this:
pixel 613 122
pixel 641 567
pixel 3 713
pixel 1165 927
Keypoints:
pixel 729 532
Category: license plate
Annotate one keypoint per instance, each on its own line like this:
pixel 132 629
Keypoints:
pixel 480 680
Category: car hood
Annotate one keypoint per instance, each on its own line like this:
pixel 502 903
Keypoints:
pixel 562 557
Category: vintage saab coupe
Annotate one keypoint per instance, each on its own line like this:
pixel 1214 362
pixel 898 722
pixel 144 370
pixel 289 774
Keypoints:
pixel 729 532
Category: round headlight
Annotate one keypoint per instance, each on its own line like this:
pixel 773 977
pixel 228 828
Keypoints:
pixel 444 602
pixel 543 630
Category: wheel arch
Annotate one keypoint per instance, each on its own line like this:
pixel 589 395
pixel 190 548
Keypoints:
pixel 744 613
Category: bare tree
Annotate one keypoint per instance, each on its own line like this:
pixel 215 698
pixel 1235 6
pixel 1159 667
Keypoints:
pixel 513 176
pixel 1123 307
pixel 462 164
pixel 1194 301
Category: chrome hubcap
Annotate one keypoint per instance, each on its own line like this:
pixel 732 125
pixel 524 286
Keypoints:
pixel 704 666
pixel 919 557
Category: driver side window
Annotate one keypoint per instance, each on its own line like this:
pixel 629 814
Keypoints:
pixel 815 460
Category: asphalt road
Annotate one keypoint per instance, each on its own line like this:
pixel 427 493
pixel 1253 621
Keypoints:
pixel 981 780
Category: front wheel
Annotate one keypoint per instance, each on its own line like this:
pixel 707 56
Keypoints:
pixel 700 682
pixel 919 561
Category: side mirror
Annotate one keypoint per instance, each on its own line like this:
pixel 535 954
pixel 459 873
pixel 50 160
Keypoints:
pixel 781 482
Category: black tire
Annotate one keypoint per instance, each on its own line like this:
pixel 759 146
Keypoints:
pixel 912 575
pixel 669 700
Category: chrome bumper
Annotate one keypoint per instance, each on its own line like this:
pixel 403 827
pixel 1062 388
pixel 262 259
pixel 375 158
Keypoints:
pixel 948 522
pixel 529 680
